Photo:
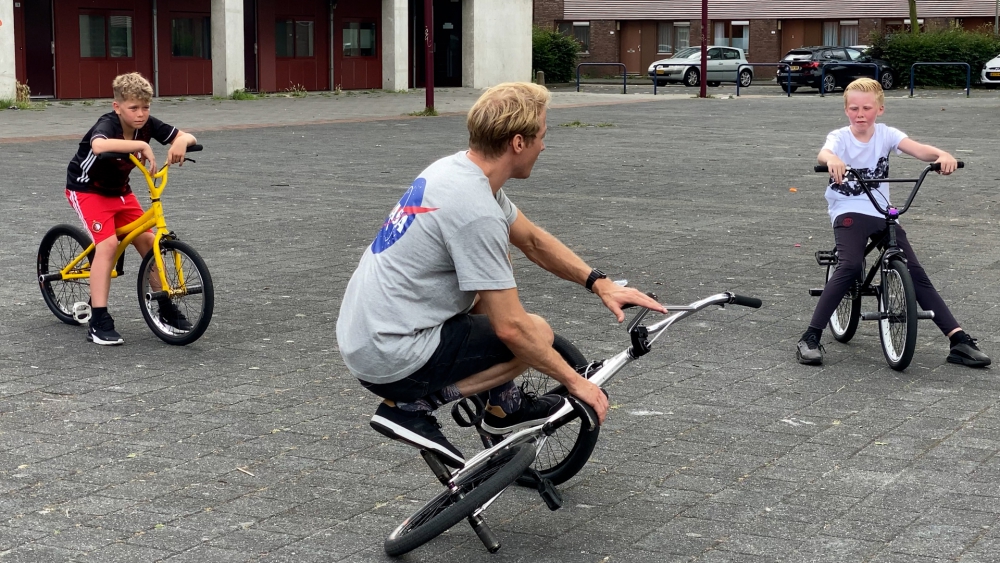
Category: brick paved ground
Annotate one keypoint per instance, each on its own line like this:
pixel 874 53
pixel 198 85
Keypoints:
pixel 253 444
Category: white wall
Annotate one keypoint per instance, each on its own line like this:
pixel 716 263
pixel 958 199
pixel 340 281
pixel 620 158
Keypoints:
pixel 8 80
pixel 496 42
pixel 228 73
pixel 394 44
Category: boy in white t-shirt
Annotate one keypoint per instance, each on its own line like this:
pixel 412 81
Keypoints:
pixel 865 146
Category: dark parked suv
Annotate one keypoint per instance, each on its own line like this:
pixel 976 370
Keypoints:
pixel 808 64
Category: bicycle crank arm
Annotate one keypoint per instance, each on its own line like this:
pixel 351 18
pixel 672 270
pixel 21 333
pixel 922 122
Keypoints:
pixel 191 290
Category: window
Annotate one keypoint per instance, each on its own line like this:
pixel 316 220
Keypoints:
pixel 103 36
pixel 682 35
pixel 848 33
pixel 293 38
pixel 665 37
pixel 740 33
pixel 579 31
pixel 730 54
pixel 191 37
pixel 732 34
pixel 830 33
pixel 359 39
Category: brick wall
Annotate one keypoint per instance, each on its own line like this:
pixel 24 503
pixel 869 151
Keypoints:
pixel 547 12
pixel 765 42
pixel 604 45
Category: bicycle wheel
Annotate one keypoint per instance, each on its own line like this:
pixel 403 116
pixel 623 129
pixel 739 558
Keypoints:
pixel 897 329
pixel 182 318
pixel 844 321
pixel 473 489
pixel 60 245
pixel 567 450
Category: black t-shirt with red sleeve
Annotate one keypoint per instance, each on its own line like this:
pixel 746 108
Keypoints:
pixel 110 176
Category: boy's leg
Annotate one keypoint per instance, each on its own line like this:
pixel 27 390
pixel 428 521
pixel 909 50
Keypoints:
pixel 100 271
pixel 963 347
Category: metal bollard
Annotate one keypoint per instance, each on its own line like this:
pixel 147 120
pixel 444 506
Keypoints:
pixel 540 78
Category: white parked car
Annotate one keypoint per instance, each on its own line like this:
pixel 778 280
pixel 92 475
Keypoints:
pixel 991 72
pixel 724 65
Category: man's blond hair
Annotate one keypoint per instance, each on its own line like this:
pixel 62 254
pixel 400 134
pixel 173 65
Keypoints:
pixel 868 86
pixel 132 86
pixel 503 111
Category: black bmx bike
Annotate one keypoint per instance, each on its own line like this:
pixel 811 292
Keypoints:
pixel 888 280
pixel 541 456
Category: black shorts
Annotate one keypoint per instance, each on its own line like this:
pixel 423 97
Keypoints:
pixel 468 346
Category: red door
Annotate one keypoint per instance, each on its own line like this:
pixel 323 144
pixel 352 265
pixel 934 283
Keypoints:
pixel 293 45
pixel 631 46
pixel 185 56
pixel 357 40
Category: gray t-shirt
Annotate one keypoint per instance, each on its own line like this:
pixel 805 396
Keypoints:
pixel 445 240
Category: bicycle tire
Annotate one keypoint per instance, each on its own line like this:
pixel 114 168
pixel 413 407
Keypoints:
pixel 60 245
pixel 844 321
pixel 196 306
pixel 568 449
pixel 475 488
pixel 897 330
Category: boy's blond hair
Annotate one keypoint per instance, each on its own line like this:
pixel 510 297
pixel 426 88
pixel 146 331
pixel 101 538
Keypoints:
pixel 868 86
pixel 503 111
pixel 132 86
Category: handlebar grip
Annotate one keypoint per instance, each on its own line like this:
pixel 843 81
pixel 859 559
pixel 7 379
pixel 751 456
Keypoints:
pixel 649 294
pixel 936 166
pixel 107 155
pixel 746 301
pixel 820 168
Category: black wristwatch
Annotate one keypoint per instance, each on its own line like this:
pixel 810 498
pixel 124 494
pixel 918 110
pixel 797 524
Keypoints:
pixel 595 275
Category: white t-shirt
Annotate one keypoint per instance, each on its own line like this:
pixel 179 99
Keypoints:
pixel 869 160
pixel 446 240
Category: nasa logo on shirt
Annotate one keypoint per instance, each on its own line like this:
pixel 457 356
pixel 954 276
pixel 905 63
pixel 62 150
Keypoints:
pixel 402 216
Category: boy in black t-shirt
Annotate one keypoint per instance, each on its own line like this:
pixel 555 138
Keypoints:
pixel 99 191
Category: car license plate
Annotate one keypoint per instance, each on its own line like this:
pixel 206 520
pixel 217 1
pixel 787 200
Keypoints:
pixel 794 67
pixel 660 71
pixel 993 74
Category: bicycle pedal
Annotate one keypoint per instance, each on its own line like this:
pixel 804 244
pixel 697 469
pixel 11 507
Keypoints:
pixel 826 257
pixel 468 412
pixel 816 291
pixel 549 493
pixel 82 312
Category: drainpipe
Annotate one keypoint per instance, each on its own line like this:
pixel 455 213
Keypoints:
pixel 156 56
pixel 333 48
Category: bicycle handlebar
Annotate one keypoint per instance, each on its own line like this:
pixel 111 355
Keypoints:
pixel 107 155
pixel 934 167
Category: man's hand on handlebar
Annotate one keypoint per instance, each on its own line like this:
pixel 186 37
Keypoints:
pixel 591 394
pixel 615 297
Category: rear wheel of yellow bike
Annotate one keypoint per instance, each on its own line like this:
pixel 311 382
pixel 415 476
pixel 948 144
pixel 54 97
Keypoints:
pixel 180 313
pixel 60 246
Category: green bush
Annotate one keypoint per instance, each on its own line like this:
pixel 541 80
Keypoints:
pixel 554 54
pixel 942 45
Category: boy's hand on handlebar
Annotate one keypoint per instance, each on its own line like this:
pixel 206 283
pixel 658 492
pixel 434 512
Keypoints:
pixel 615 297
pixel 177 153
pixel 591 394
pixel 837 169
pixel 948 164
pixel 147 156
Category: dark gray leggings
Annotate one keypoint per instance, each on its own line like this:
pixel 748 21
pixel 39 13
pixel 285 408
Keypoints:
pixel 852 232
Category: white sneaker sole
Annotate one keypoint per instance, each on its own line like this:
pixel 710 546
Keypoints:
pixel 391 429
pixel 97 340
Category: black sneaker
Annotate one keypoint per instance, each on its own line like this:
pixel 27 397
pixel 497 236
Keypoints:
pixel 533 409
pixel 419 429
pixel 966 352
pixel 809 351
pixel 172 316
pixel 102 331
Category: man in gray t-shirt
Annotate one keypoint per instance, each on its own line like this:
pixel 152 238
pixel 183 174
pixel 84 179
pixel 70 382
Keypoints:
pixel 432 312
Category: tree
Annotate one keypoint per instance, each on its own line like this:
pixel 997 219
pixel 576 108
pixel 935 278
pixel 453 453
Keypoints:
pixel 914 24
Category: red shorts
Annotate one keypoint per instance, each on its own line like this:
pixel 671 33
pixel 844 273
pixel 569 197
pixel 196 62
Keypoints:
pixel 101 214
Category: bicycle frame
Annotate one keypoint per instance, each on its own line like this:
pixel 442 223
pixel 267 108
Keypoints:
pixel 152 217
pixel 641 343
